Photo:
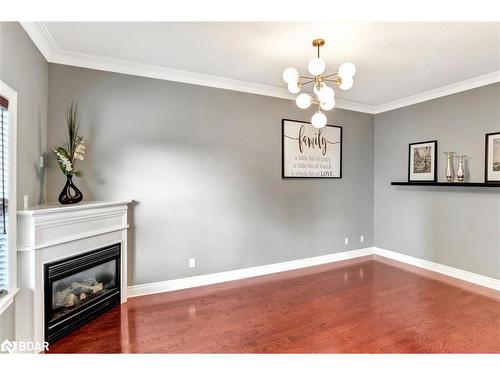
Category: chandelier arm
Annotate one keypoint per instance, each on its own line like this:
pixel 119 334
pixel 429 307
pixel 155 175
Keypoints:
pixel 331 75
pixel 332 80
pixel 307 82
pixel 306 77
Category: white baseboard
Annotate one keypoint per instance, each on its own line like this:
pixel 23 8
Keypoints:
pixel 457 273
pixel 214 278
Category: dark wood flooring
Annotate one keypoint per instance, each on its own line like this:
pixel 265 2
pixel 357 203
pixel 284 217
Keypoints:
pixel 364 305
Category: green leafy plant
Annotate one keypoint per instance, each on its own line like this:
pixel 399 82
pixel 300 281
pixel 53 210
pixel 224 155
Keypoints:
pixel 73 148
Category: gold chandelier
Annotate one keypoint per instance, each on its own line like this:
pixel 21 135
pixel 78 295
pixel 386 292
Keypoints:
pixel 324 96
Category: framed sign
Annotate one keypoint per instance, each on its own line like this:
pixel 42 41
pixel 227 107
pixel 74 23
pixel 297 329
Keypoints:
pixel 308 152
pixel 422 162
pixel 492 158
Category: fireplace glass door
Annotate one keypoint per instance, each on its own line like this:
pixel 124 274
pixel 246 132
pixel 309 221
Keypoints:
pixel 80 288
pixel 76 290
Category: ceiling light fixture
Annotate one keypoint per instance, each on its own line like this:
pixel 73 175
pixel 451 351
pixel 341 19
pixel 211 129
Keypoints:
pixel 324 96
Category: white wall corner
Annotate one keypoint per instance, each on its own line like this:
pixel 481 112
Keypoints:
pixel 354 106
pixel 456 273
pixel 41 38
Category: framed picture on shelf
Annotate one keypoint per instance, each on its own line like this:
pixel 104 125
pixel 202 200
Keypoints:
pixel 492 158
pixel 422 162
pixel 308 152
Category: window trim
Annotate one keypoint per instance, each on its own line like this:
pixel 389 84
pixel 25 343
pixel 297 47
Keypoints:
pixel 11 96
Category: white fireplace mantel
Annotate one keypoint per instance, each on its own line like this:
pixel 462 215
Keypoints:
pixel 51 232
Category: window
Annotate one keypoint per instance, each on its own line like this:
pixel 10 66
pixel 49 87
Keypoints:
pixel 8 243
pixel 4 194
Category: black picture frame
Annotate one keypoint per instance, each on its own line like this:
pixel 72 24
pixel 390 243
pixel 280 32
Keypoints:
pixel 486 151
pixel 283 150
pixel 434 177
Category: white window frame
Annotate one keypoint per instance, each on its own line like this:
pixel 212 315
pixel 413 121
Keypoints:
pixel 11 96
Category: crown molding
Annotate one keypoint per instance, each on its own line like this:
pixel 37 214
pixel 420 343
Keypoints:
pixel 41 38
pixel 157 72
pixel 468 84
pixel 353 106
pixel 151 71
pixel 44 42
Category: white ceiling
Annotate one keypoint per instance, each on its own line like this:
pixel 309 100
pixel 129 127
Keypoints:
pixel 393 60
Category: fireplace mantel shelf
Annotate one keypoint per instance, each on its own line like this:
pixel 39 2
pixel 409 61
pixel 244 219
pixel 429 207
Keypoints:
pixel 57 207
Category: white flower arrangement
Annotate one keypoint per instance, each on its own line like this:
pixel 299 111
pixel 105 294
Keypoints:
pixel 74 148
pixel 63 160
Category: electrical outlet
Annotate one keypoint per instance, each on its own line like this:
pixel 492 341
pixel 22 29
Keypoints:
pixel 361 238
pixel 346 241
pixel 192 262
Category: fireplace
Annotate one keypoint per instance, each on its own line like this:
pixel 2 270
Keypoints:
pixel 79 288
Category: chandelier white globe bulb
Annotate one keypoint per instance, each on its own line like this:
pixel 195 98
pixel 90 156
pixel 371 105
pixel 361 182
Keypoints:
pixel 325 93
pixel 290 75
pixel 328 105
pixel 346 83
pixel 318 120
pixel 293 87
pixel 303 101
pixel 347 70
pixel 316 66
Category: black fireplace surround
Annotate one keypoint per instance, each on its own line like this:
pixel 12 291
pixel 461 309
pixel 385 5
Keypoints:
pixel 80 288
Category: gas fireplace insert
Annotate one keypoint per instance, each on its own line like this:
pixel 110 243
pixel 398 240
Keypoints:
pixel 80 288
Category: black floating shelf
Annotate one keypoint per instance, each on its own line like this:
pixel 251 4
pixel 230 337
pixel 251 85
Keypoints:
pixel 467 184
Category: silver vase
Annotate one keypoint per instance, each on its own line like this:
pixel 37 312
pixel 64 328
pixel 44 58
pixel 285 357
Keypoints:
pixel 449 166
pixel 461 169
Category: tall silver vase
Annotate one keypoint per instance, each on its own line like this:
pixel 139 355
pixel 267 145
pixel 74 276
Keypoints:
pixel 461 169
pixel 449 166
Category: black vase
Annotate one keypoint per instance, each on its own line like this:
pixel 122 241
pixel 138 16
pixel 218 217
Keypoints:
pixel 70 193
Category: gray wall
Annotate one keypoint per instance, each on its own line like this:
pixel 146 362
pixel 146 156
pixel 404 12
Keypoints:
pixel 24 69
pixel 204 166
pixel 458 227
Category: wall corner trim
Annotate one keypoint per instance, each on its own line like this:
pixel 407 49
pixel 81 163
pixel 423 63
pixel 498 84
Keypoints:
pixel 41 38
pixel 456 273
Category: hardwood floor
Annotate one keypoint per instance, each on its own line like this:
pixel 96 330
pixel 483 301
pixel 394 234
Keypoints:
pixel 364 305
